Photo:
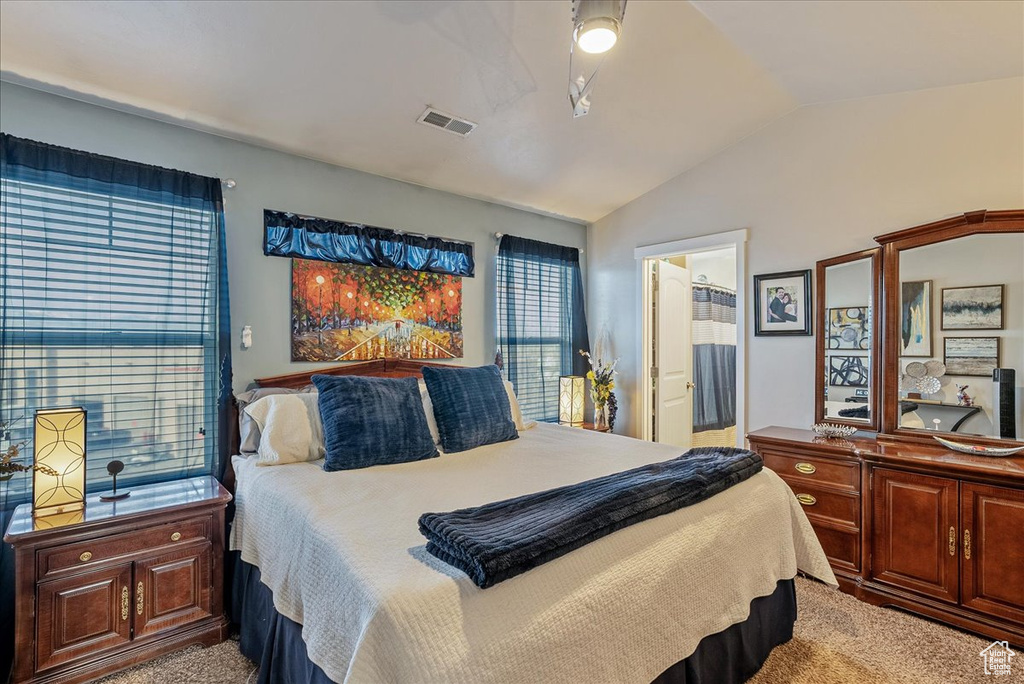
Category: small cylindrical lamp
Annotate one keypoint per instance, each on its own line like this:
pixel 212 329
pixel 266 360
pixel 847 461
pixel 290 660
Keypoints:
pixel 58 483
pixel 571 392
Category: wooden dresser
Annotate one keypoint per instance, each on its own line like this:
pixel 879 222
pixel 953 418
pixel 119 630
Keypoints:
pixel 827 478
pixel 918 527
pixel 118 583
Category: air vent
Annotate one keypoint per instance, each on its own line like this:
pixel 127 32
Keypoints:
pixel 446 122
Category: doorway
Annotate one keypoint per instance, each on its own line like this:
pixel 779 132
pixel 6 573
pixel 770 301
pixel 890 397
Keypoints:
pixel 692 390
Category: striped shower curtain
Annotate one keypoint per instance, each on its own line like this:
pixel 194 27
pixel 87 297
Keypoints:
pixel 714 366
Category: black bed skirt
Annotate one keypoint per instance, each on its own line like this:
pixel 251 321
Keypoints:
pixel 731 656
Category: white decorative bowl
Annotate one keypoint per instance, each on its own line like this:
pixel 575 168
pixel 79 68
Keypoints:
pixel 916 370
pixel 832 430
pixel 977 450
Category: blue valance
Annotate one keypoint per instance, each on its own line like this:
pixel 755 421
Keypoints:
pixel 308 237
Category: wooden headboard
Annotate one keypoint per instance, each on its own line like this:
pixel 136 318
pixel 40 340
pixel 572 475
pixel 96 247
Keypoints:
pixel 378 368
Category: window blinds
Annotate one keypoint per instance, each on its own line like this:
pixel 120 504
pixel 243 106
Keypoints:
pixel 541 321
pixel 109 301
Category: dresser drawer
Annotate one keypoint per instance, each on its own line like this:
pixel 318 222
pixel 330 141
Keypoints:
pixel 85 555
pixel 841 546
pixel 813 470
pixel 826 504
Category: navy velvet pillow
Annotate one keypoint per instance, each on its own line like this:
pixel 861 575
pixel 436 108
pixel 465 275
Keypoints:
pixel 470 406
pixel 372 421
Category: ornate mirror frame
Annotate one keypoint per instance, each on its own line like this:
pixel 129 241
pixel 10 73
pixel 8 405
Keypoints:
pixel 971 223
pixel 821 335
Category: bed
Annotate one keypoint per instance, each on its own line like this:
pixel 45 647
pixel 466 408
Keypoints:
pixel 332 582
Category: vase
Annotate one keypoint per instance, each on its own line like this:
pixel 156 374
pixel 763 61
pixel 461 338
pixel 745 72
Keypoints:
pixel 601 417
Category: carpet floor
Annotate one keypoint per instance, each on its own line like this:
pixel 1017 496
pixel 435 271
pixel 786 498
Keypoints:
pixel 838 640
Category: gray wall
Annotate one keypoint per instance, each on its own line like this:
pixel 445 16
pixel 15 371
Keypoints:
pixel 819 182
pixel 260 294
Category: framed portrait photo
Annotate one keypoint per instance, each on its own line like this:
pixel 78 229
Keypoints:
pixel 782 303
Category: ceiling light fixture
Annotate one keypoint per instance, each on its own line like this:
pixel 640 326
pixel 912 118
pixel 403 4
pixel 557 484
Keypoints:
pixel 596 28
pixel 597 35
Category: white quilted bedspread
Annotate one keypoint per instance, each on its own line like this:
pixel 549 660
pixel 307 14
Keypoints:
pixel 343 556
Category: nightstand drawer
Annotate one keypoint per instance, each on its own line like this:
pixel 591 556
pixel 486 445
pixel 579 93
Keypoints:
pixel 71 558
pixel 826 504
pixel 813 470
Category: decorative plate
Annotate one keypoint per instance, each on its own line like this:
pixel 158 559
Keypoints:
pixel 977 450
pixel 929 385
pixel 833 430
pixel 916 369
pixel 908 384
pixel 935 368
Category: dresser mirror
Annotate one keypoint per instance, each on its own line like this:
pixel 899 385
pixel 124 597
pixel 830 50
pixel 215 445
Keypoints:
pixel 846 339
pixel 954 329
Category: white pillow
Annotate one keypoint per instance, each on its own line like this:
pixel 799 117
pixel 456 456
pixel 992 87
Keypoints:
pixel 290 428
pixel 517 413
pixel 428 408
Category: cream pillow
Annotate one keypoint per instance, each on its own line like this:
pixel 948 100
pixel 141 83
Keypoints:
pixel 428 408
pixel 290 428
pixel 517 413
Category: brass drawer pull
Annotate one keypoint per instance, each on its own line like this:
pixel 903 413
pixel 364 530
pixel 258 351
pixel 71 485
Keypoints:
pixel 952 541
pixel 139 598
pixel 124 602
pixel 805 468
pixel 967 544
pixel 806 499
pixel 176 536
pixel 85 557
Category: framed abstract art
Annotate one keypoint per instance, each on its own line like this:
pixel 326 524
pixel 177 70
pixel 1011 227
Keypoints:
pixel 848 371
pixel 976 356
pixel 916 318
pixel 972 308
pixel 849 327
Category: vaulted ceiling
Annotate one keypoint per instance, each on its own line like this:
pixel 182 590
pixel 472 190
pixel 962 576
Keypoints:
pixel 344 82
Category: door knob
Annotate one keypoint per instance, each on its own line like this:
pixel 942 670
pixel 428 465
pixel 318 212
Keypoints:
pixel 689 385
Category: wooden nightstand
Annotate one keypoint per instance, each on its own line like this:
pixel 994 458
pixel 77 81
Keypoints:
pixel 118 583
pixel 592 427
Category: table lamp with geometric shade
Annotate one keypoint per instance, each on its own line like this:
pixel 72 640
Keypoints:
pixel 571 394
pixel 58 483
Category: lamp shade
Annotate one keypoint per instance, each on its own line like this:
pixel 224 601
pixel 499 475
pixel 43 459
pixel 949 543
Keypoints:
pixel 58 482
pixel 571 390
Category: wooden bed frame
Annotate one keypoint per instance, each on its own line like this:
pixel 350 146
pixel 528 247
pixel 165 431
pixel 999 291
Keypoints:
pixel 378 368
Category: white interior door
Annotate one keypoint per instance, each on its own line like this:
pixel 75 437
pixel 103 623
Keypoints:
pixel 673 351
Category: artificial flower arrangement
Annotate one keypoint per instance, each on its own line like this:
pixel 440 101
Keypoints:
pixel 602 385
pixel 9 464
